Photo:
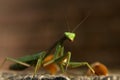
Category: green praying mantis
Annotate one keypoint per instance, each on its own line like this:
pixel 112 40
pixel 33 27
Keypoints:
pixel 49 60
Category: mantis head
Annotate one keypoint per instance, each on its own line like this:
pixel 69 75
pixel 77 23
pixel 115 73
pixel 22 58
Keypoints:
pixel 70 35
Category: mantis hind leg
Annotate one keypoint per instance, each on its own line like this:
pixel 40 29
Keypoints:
pixel 14 60
pixel 78 64
pixel 39 63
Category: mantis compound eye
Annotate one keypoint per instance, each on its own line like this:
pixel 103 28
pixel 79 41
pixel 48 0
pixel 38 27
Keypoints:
pixel 99 68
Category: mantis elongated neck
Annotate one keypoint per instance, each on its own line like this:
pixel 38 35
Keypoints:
pixel 60 41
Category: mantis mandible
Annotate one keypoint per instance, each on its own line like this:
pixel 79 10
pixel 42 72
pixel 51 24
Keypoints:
pixel 51 62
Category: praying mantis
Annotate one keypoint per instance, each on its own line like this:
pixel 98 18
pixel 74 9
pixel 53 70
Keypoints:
pixel 53 62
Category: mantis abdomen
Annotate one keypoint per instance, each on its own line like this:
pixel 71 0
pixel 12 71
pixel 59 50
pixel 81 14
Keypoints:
pixel 29 59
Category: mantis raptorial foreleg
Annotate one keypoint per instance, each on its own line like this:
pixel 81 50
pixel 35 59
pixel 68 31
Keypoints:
pixel 59 58
pixel 56 55
pixel 14 60
pixel 57 51
pixel 63 60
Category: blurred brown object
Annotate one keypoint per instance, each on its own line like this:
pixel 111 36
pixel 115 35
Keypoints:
pixel 99 68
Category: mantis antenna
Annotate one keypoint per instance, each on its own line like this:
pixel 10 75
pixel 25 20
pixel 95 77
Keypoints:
pixel 80 23
pixel 71 35
pixel 67 23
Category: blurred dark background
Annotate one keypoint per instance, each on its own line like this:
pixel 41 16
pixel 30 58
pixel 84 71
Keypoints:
pixel 29 26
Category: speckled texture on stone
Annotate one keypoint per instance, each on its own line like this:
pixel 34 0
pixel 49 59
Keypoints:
pixel 29 76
